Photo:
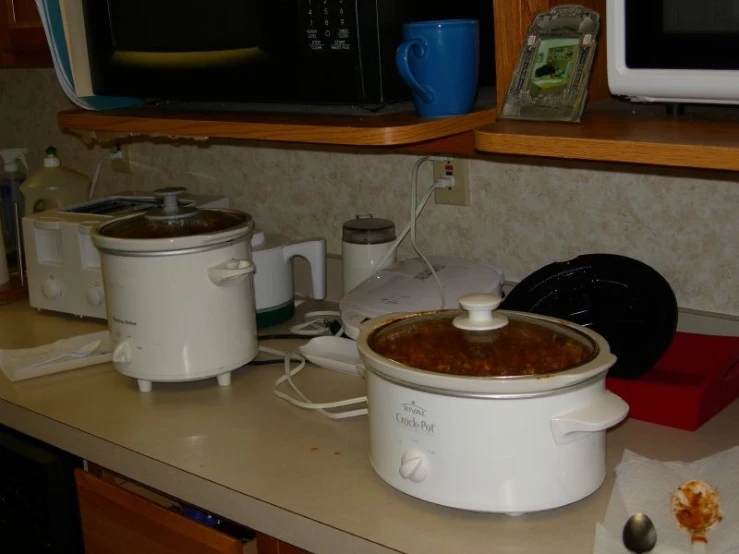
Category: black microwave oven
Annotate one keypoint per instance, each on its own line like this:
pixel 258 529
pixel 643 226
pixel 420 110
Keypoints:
pixel 276 51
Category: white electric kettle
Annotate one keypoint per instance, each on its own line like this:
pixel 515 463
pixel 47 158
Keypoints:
pixel 273 278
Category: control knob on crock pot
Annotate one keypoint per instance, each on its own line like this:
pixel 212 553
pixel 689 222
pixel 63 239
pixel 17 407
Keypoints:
pixel 414 465
pixel 123 352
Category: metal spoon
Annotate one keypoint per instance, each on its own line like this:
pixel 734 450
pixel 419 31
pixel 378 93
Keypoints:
pixel 82 352
pixel 639 534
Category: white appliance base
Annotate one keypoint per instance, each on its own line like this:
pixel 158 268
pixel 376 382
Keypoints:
pixel 224 380
pixel 483 506
pixel 222 374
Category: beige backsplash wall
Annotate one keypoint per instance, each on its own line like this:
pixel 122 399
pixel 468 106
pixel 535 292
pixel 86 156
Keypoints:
pixel 525 213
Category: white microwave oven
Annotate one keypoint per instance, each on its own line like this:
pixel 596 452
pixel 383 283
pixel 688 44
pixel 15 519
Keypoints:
pixel 674 51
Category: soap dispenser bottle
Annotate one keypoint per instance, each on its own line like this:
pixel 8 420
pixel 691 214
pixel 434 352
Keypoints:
pixel 53 186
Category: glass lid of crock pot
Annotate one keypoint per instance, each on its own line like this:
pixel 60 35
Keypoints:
pixel 171 220
pixel 525 345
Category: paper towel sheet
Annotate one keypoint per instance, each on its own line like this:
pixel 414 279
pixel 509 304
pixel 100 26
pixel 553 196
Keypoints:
pixel 14 362
pixel 645 485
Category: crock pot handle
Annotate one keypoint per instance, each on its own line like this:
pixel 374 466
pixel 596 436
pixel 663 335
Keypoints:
pixel 230 273
pixel 603 412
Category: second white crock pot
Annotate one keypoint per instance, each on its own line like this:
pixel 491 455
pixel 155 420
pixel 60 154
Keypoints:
pixel 179 292
pixel 509 444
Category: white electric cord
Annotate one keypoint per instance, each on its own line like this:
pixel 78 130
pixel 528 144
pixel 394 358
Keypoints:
pixel 114 154
pixel 315 321
pixel 419 208
pixel 414 186
pixel 315 324
pixel 305 403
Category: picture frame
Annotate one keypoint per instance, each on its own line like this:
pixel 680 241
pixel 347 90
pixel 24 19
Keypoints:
pixel 550 81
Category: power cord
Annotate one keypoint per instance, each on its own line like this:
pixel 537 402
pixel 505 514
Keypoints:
pixel 414 186
pixel 318 327
pixel 304 402
pixel 439 183
pixel 316 324
pixel 115 154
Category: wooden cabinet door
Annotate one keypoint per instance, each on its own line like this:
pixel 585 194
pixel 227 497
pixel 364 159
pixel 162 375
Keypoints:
pixel 22 39
pixel 117 521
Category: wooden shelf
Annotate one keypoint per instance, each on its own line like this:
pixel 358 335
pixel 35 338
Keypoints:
pixel 396 129
pixel 705 137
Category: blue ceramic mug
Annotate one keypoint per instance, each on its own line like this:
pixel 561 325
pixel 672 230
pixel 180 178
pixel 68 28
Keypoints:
pixel 438 60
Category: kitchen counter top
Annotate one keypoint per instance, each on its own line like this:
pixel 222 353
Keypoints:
pixel 241 452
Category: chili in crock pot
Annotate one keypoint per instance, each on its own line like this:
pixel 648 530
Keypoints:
pixel 519 348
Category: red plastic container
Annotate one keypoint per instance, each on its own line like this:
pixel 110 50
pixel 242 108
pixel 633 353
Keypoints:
pixel 696 378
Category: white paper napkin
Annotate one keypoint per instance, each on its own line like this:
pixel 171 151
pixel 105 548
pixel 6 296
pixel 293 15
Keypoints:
pixel 645 485
pixel 15 363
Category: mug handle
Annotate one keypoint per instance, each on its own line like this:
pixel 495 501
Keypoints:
pixel 401 61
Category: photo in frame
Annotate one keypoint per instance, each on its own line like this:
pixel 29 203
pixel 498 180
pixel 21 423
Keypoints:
pixel 550 81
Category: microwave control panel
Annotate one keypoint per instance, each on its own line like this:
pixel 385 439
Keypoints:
pixel 329 26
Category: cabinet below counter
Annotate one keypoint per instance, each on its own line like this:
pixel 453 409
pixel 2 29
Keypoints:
pixel 248 456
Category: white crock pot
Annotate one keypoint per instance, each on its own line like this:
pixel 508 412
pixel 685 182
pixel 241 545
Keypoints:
pixel 273 278
pixel 179 292
pixel 510 444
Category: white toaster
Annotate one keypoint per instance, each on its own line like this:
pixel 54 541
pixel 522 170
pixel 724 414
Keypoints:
pixel 62 264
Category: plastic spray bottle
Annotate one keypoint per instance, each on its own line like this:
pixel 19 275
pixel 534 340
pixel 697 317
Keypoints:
pixel 11 198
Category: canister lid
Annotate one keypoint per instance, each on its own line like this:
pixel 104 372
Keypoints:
pixel 480 342
pixel 366 229
pixel 171 220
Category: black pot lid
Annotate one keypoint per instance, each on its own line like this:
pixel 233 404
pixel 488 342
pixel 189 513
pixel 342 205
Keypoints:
pixel 626 301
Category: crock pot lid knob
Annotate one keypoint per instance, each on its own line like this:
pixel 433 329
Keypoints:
pixel 480 314
pixel 171 208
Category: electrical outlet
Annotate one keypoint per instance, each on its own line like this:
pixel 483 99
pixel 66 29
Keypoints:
pixel 122 164
pixel 459 194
